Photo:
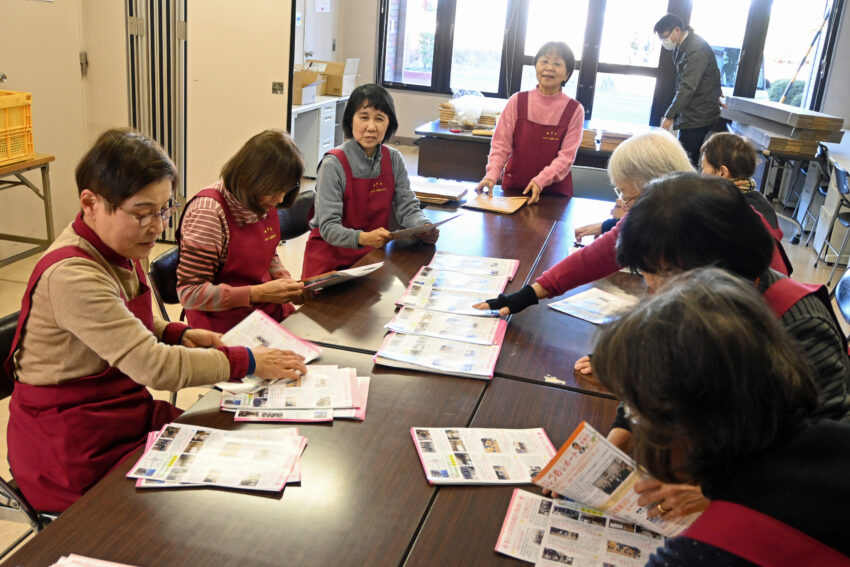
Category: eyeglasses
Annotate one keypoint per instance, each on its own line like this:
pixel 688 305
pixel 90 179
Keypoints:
pixel 146 220
pixel 622 198
pixel 557 64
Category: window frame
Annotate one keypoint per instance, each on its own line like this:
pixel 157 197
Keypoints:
pixel 588 65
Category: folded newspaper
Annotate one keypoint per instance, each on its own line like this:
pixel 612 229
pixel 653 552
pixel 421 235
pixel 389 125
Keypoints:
pixel 259 329
pixel 456 358
pixel 335 277
pixel 555 532
pixel 474 264
pixel 465 328
pixel 595 305
pixel 250 460
pixel 481 456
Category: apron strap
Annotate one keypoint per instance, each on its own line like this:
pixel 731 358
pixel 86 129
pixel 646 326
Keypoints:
pixel 760 538
pixel 567 115
pixel 522 106
pixel 346 167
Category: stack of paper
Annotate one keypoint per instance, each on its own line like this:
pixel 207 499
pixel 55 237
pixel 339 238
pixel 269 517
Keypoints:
pixel 325 392
pixel 438 329
pixel 251 460
pixel 481 456
pixel 438 191
pixel 256 330
pixel 75 560
pixel 588 139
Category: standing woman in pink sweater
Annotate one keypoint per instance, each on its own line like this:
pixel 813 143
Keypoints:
pixel 539 131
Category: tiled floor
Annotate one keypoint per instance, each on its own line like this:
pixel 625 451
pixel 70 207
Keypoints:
pixel 13 279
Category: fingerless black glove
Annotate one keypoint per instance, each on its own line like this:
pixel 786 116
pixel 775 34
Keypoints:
pixel 516 302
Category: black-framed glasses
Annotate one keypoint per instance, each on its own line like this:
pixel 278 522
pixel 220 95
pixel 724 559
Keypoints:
pixel 146 220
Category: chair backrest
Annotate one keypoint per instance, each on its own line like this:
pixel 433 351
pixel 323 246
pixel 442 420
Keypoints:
pixel 294 220
pixel 842 295
pixel 841 181
pixel 8 324
pixel 163 279
pixel 592 183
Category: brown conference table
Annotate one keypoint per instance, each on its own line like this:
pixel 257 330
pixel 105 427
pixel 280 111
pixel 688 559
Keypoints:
pixel 363 499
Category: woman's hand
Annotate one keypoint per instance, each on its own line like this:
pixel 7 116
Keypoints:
pixel 277 291
pixel 429 237
pixel 534 188
pixel 375 238
pixel 593 230
pixel 583 366
pixel 272 363
pixel 514 302
pixel 669 500
pixel 201 338
pixel 486 182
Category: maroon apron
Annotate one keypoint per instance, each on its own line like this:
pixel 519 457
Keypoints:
pixel 64 438
pixel 535 146
pixel 366 206
pixel 759 538
pixel 250 251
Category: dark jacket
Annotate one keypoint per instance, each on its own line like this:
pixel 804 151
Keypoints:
pixel 698 91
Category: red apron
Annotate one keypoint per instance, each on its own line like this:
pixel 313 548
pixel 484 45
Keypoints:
pixel 64 438
pixel 535 146
pixel 250 251
pixel 759 538
pixel 366 206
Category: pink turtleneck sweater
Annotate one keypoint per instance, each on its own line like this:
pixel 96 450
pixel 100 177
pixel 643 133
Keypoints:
pixel 543 109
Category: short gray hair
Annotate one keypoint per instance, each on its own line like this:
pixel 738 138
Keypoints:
pixel 642 158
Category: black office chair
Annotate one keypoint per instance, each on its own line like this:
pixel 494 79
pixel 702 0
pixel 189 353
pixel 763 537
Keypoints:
pixel 13 506
pixel 294 220
pixel 162 275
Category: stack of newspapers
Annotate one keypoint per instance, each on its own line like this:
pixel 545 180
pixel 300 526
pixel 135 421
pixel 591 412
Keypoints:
pixel 438 329
pixel 324 393
pixel 182 455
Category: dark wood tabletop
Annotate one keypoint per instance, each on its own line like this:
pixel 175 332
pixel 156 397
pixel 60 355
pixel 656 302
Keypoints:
pixel 361 500
pixel 353 315
pixel 463 524
pixel 541 344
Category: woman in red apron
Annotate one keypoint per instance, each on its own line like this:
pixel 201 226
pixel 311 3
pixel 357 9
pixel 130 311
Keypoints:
pixel 361 185
pixel 229 235
pixel 539 131
pixel 721 397
pixel 87 344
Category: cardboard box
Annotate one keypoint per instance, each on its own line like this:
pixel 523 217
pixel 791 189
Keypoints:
pixel 339 77
pixel 305 87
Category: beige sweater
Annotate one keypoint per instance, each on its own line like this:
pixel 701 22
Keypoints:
pixel 79 325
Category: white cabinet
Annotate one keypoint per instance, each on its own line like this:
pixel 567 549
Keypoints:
pixel 317 128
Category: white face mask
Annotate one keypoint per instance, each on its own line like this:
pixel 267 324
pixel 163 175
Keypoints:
pixel 668 44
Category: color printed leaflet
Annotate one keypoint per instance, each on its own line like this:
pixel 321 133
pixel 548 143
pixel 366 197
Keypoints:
pixel 248 460
pixel 590 470
pixel 455 358
pixel 556 532
pixel 477 330
pixel 474 264
pixel 595 305
pixel 258 329
pixel 481 456
pixel 459 301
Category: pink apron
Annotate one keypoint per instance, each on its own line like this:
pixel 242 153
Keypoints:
pixel 366 206
pixel 250 251
pixel 535 146
pixel 64 438
pixel 759 538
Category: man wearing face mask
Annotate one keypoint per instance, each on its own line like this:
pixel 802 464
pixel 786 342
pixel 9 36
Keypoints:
pixel 696 105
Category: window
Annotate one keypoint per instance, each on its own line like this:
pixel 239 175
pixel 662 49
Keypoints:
pixel 622 74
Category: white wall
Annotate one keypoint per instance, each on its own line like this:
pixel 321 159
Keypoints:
pixel 235 51
pixel 39 48
pixel 836 101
